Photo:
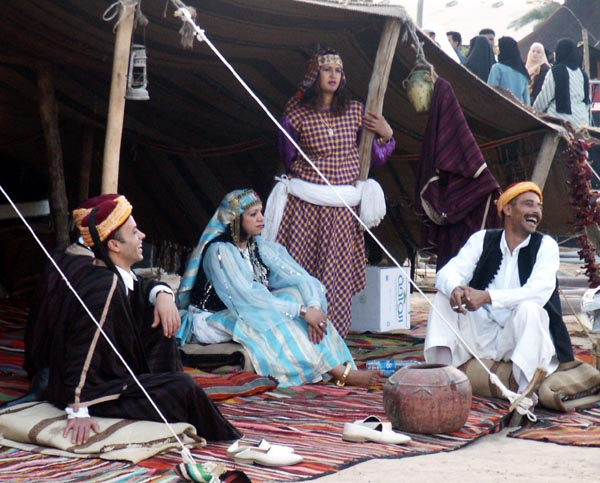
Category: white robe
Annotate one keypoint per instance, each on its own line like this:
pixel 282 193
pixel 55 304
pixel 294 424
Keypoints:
pixel 514 327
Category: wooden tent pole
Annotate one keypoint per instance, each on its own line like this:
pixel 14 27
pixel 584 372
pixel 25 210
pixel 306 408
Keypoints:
pixel 116 103
pixel 543 163
pixel 49 116
pixel 378 86
pixel 87 153
pixel 586 51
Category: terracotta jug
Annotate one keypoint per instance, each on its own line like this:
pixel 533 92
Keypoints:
pixel 419 88
pixel 427 398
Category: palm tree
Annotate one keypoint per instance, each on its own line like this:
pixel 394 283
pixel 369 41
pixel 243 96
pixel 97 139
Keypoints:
pixel 538 15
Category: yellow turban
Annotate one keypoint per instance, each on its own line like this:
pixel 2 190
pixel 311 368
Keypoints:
pixel 515 190
pixel 113 210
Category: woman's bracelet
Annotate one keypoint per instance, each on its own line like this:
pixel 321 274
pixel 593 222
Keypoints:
pixel 82 412
pixel 382 141
pixel 303 311
pixel 341 382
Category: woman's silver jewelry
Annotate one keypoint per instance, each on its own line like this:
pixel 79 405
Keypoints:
pixel 321 324
pixel 329 128
pixel 303 311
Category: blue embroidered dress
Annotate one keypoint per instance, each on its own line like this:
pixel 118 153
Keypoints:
pixel 266 321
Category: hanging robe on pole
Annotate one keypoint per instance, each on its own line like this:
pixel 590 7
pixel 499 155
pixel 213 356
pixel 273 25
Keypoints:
pixel 378 86
pixel 116 104
pixel 49 116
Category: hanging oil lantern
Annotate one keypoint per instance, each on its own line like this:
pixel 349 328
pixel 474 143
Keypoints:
pixel 137 78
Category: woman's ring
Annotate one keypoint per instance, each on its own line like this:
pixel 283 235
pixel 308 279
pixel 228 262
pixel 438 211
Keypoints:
pixel 321 324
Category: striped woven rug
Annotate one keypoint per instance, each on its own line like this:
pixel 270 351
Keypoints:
pixel 579 428
pixel 309 418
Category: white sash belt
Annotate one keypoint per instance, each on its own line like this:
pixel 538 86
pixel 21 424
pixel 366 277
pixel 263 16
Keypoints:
pixel 366 193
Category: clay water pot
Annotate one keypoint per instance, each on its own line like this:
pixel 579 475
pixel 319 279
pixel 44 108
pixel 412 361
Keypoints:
pixel 427 398
pixel 419 88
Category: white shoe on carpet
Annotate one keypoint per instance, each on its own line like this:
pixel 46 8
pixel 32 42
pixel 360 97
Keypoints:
pixel 244 444
pixel 358 432
pixel 270 457
pixel 373 422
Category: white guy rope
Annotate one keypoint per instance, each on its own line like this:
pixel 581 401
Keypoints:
pixel 187 455
pixel 525 402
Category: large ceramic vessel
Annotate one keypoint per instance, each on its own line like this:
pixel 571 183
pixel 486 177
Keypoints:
pixel 419 88
pixel 427 398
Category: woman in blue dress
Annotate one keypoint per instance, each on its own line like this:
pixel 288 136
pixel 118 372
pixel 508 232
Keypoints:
pixel 273 307
pixel 510 72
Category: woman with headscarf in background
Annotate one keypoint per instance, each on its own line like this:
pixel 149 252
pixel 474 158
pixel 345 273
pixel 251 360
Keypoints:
pixel 480 58
pixel 510 72
pixel 566 89
pixel 537 66
pixel 319 232
pixel 270 304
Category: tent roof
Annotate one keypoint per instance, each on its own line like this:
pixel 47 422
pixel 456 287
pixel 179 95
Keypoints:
pixel 200 134
pixel 568 22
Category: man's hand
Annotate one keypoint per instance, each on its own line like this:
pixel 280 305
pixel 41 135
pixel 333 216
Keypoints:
pixel 317 324
pixel 457 299
pixel 166 313
pixel 81 429
pixel 475 299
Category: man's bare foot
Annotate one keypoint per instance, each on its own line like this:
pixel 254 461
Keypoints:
pixel 363 378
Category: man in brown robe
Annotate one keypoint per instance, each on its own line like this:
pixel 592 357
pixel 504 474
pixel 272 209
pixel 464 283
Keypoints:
pixel 140 318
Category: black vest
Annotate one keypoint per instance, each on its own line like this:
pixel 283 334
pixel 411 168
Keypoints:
pixel 488 266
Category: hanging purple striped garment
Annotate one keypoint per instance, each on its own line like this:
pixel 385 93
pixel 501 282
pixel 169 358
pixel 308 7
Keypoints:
pixel 455 190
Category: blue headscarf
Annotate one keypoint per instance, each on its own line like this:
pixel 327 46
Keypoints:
pixel 229 213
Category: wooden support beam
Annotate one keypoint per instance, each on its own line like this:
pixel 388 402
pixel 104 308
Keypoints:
pixel 543 163
pixel 49 117
pixel 116 103
pixel 87 153
pixel 378 86
pixel 586 51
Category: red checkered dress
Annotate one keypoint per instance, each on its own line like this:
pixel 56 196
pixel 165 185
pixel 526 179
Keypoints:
pixel 325 240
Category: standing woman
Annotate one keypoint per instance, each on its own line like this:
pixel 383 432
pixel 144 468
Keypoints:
pixel 321 235
pixel 510 72
pixel 537 66
pixel 480 58
pixel 566 89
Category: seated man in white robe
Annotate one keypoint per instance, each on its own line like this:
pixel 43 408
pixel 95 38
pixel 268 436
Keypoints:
pixel 500 294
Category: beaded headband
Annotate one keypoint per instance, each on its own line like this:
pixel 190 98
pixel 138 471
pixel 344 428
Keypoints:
pixel 330 59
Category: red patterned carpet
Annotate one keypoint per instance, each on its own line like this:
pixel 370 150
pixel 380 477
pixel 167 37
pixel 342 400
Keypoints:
pixel 309 418
pixel 580 428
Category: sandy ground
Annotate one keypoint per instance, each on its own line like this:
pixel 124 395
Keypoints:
pixel 490 459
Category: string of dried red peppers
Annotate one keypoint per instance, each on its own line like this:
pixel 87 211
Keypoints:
pixel 584 202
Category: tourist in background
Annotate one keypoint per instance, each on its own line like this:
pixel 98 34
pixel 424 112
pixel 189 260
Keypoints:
pixel 566 89
pixel 455 40
pixel 480 58
pixel 510 72
pixel 537 67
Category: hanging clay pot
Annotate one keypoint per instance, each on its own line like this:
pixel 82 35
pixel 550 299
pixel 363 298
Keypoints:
pixel 427 398
pixel 419 87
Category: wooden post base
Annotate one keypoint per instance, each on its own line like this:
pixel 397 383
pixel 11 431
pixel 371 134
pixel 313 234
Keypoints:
pixel 534 385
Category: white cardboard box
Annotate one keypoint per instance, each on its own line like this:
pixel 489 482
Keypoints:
pixel 384 304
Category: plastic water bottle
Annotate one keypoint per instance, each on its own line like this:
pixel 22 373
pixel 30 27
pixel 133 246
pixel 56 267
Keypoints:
pixel 389 366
